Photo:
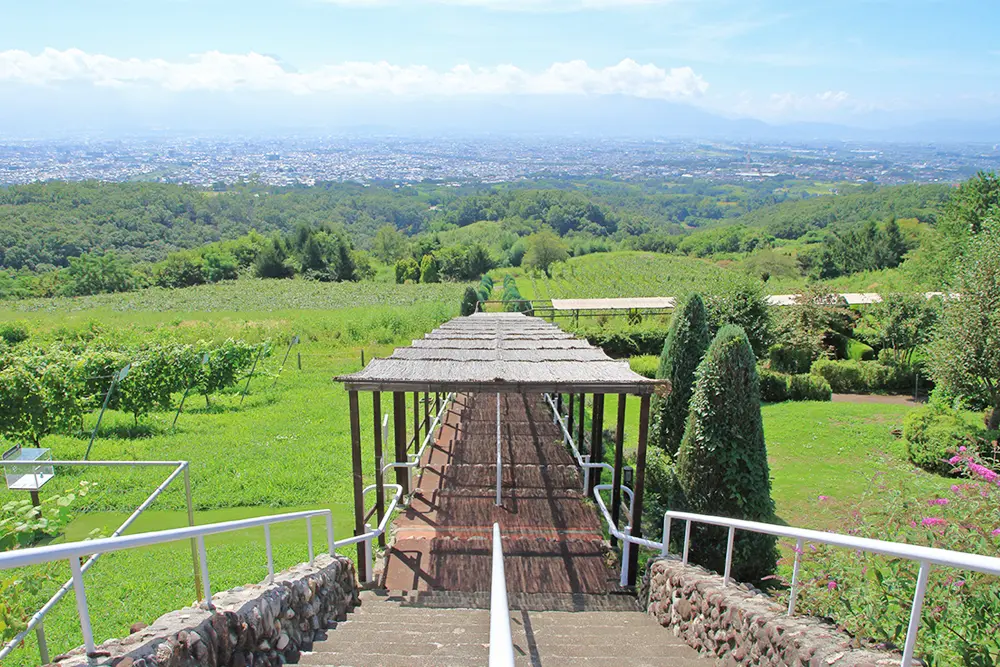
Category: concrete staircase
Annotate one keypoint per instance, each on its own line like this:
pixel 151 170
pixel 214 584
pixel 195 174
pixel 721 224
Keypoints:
pixel 566 606
pixel 392 631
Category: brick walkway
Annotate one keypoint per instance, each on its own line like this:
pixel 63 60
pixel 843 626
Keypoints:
pixel 553 542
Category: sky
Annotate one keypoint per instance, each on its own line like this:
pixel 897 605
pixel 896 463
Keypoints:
pixel 864 63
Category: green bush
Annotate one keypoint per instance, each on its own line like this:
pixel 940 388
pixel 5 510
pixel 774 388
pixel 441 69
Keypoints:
pixel 626 343
pixel 934 433
pixel 789 358
pixel 13 333
pixel 682 352
pixel 470 301
pixel 773 386
pixel 808 387
pixel 645 365
pixel 722 464
pixel 863 377
pixel 855 349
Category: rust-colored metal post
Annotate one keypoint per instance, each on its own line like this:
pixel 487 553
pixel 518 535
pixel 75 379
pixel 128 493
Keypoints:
pixel 399 433
pixel 640 483
pixel 379 455
pixel 359 483
pixel 596 440
pixel 616 493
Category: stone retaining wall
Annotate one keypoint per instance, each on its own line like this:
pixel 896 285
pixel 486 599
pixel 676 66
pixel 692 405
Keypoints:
pixel 741 626
pixel 256 625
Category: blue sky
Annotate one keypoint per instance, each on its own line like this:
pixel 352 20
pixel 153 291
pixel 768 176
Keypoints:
pixel 855 62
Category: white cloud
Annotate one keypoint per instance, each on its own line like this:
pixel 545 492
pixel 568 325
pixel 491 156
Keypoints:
pixel 830 100
pixel 215 71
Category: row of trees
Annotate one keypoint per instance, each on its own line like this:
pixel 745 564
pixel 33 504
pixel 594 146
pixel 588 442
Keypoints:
pixel 43 392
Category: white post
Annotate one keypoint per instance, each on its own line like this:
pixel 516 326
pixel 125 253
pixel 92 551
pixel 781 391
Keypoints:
pixel 270 554
pixel 501 645
pixel 369 565
pixel 687 541
pixel 329 535
pixel 729 556
pixel 626 552
pixel 799 545
pixel 81 605
pixel 205 584
pixel 43 646
pixel 586 473
pixel 918 604
pixel 309 538
pixel 665 551
pixel 499 458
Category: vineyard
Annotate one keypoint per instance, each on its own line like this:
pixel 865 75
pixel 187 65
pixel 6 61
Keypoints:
pixel 621 274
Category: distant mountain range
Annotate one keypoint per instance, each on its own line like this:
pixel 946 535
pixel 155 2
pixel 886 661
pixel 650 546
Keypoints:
pixel 116 113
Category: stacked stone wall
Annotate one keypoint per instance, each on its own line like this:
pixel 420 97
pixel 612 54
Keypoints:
pixel 251 626
pixel 741 626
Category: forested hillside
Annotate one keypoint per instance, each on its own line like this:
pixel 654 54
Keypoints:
pixel 70 239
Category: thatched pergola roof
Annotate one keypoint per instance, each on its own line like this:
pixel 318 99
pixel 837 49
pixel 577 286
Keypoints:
pixel 500 352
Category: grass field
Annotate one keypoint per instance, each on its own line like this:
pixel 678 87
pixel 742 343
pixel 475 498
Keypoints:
pixel 287 447
pixel 619 274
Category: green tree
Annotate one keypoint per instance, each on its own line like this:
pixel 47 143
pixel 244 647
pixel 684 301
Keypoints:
pixel 271 261
pixel 219 265
pixel 407 269
pixel 97 274
pixel 900 323
pixel 683 350
pixel 180 269
pixel 722 463
pixel 389 245
pixel 543 250
pixel 470 302
pixel 965 354
pixel 429 270
pixel 740 300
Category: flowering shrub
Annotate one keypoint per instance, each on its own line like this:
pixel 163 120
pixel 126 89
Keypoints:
pixel 871 595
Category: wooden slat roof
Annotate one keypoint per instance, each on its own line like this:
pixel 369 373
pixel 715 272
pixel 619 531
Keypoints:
pixel 500 352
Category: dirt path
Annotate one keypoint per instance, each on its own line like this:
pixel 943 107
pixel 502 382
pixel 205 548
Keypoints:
pixel 878 398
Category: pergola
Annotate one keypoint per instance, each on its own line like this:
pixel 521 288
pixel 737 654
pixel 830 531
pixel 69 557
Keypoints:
pixel 501 353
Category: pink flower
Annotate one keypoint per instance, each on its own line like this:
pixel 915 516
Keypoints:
pixel 933 521
pixel 832 585
pixel 822 498
pixel 938 501
pixel 955 460
pixel 955 488
pixel 962 448
pixel 983 472
pixel 996 533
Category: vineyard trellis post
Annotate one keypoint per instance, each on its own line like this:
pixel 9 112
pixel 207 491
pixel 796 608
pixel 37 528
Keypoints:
pixel 204 362
pixel 295 341
pixel 253 368
pixel 115 379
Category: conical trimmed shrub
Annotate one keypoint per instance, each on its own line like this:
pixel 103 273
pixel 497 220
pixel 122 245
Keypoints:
pixel 470 301
pixel 682 352
pixel 722 463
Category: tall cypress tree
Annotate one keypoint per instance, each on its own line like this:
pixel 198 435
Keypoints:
pixel 682 352
pixel 722 463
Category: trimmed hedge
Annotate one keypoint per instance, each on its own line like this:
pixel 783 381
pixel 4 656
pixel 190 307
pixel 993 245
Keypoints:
pixel 645 365
pixel 773 386
pixel 778 387
pixel 863 377
pixel 807 387
pixel 625 344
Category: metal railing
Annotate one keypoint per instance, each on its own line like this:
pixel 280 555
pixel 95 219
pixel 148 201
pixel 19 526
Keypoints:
pixel 582 460
pixel 414 458
pixel 501 643
pixel 926 556
pixel 37 620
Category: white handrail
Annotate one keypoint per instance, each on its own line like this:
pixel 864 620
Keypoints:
pixel 414 459
pixel 501 643
pixel 926 556
pixel 582 460
pixel 36 621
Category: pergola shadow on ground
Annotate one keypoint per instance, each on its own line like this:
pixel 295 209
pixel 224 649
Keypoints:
pixel 500 456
